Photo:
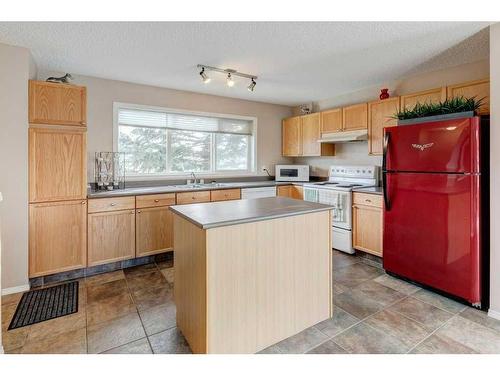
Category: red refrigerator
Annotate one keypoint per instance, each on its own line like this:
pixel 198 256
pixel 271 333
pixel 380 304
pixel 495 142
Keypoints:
pixel 432 179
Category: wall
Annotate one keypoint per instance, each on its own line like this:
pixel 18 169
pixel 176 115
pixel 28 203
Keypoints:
pixel 17 67
pixel 495 171
pixel 101 93
pixel 357 153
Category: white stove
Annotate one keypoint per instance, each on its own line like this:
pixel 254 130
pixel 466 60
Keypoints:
pixel 337 192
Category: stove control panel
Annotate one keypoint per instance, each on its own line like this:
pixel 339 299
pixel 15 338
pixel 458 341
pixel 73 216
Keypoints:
pixel 354 171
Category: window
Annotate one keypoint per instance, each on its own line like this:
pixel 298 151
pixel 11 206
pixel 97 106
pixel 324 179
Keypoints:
pixel 159 142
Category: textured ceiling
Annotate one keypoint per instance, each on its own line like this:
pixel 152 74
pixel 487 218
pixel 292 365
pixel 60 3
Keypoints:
pixel 296 62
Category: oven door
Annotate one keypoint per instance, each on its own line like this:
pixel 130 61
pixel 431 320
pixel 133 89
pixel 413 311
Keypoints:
pixel 341 203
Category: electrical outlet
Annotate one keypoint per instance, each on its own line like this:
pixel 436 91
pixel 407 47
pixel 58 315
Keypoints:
pixel 263 168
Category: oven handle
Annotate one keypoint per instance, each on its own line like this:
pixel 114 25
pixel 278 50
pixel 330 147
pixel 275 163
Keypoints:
pixel 387 138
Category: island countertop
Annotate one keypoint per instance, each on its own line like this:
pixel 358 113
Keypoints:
pixel 219 214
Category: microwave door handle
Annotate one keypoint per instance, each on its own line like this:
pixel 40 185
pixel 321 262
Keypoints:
pixel 387 139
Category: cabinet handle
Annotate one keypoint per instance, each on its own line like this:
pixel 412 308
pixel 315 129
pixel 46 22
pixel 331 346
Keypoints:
pixel 368 200
pixel 157 200
pixel 138 212
pixel 112 204
pixel 132 212
pixel 83 202
pixel 193 197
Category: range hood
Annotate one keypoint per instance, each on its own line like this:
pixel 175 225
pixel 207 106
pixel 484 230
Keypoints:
pixel 342 137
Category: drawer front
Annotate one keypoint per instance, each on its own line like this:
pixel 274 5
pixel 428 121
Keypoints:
pixel 225 195
pixel 154 200
pixel 364 199
pixel 111 204
pixel 193 197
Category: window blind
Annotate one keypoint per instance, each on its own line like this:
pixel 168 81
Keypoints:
pixel 178 121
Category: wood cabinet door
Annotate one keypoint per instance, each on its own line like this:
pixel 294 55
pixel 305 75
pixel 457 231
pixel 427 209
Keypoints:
pixel 193 197
pixel 225 195
pixel 428 96
pixel 331 120
pixel 154 230
pixel 57 104
pixel 57 237
pixel 284 191
pixel 297 192
pixel 367 229
pixel 292 136
pixel 380 116
pixel 479 89
pixel 57 164
pixel 111 236
pixel 355 117
pixel 311 132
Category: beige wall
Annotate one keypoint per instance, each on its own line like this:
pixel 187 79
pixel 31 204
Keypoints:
pixel 101 93
pixel 16 67
pixel 495 171
pixel 357 153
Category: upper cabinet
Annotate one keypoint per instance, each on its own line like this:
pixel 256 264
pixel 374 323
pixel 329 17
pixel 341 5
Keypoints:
pixel 479 89
pixel 57 104
pixel 301 135
pixel 380 115
pixel 331 120
pixel 355 117
pixel 57 164
pixel 428 96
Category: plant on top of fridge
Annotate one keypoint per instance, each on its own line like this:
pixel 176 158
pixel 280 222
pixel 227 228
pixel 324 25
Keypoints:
pixel 453 105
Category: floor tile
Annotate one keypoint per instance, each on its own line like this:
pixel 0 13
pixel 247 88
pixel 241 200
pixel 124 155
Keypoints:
pixel 114 333
pixel 379 293
pixel 355 274
pixel 429 316
pixel 110 308
pixel 364 339
pixel 11 298
pixel 273 349
pixel 69 342
pixel 399 326
pixel 57 326
pixel 340 321
pixel 338 288
pixel 8 312
pixel 158 318
pixel 480 317
pixel 105 278
pixel 340 259
pixel 397 284
pixel 15 338
pixel 140 270
pixel 169 342
pixel 437 344
pixel 147 298
pixel 99 292
pixel 302 341
pixel 168 273
pixel 357 303
pixel 439 301
pixel 136 347
pixel 148 280
pixel 165 264
pixel 328 347
pixel 473 335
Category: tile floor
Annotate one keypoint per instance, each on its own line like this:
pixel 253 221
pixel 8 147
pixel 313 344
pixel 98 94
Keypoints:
pixel 132 311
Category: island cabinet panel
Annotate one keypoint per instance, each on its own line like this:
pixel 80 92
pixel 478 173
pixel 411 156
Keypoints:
pixel 193 197
pixel 225 195
pixel 111 236
pixel 57 104
pixel 355 117
pixel 57 164
pixel 423 97
pixel 57 237
pixel 154 230
pixel 478 89
pixel 292 136
pixel 380 115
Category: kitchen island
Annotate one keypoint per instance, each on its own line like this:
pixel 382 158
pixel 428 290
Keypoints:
pixel 250 273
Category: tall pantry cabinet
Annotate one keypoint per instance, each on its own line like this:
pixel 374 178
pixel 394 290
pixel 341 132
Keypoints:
pixel 57 178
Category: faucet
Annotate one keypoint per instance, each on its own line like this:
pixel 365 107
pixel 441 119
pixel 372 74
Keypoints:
pixel 194 177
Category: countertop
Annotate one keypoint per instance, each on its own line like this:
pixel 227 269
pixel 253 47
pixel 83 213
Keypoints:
pixel 219 214
pixel 183 188
pixel 370 190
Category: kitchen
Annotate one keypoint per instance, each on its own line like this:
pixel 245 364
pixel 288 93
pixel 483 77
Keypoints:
pixel 133 171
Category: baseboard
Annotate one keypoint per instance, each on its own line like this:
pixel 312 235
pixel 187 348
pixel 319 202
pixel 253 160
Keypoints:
pixel 494 314
pixel 15 289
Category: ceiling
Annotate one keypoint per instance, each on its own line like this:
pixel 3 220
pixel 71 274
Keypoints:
pixel 296 62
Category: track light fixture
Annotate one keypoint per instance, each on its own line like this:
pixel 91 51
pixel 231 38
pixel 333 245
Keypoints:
pixel 251 86
pixel 204 76
pixel 230 73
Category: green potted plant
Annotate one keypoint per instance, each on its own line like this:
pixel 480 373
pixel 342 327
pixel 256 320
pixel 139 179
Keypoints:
pixel 458 107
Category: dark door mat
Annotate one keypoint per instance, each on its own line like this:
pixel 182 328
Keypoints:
pixel 44 304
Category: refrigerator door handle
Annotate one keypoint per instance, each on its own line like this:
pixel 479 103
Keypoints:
pixel 387 138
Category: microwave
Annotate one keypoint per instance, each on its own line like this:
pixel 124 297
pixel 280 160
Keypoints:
pixel 292 172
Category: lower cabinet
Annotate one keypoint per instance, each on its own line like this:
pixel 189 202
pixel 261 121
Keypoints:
pixel 57 237
pixel 111 236
pixel 154 230
pixel 367 219
pixel 225 195
pixel 290 191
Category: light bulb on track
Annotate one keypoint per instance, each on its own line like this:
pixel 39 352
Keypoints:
pixel 251 86
pixel 204 77
pixel 229 80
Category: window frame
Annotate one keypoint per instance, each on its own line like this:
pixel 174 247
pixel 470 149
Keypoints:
pixel 252 149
